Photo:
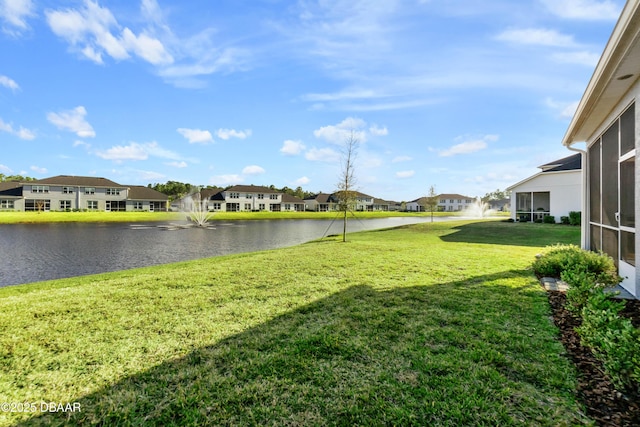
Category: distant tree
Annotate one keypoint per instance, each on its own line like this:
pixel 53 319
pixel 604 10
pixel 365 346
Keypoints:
pixel 431 201
pixel 346 193
pixel 174 189
pixel 496 195
pixel 7 178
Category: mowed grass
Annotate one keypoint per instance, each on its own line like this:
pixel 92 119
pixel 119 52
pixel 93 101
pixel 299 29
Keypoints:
pixel 431 324
pixel 90 216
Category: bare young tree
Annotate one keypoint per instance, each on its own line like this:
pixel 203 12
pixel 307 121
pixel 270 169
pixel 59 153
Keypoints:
pixel 431 201
pixel 347 193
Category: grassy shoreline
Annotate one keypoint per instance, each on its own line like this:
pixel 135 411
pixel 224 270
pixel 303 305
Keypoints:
pixel 432 324
pixel 45 217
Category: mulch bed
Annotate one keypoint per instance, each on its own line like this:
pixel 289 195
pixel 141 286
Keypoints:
pixel 603 403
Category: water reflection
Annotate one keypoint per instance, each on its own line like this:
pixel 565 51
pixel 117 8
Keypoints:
pixel 34 252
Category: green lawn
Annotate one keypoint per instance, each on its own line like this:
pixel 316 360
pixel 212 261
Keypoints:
pixel 97 216
pixel 431 324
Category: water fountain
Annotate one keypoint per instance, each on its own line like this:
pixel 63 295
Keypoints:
pixel 198 212
pixel 479 209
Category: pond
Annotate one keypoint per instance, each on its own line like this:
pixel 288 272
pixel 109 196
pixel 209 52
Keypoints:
pixel 35 252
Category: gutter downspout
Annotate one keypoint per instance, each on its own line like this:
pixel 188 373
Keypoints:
pixel 584 239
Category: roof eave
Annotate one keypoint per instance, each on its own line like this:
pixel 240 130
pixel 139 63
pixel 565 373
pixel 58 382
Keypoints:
pixel 605 89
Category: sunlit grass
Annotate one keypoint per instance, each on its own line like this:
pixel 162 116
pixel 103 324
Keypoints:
pixel 97 216
pixel 433 324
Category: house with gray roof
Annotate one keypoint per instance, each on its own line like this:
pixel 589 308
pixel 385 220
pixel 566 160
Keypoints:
pixel 554 191
pixel 323 202
pixel 66 192
pixel 447 202
pixel 11 196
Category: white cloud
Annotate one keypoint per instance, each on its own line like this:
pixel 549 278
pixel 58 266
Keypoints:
pixel 564 110
pixel 536 36
pixel 176 164
pixel 89 31
pixel 405 174
pixel 399 159
pixel 5 169
pixel 232 133
pixel 589 59
pixel 39 170
pixel 375 130
pixel 133 151
pixel 8 83
pixel 322 155
pixel 253 170
pixel 302 181
pixel 73 121
pixel 79 143
pixel 338 134
pixel 146 47
pixel 584 9
pixel 229 179
pixel 137 151
pixel 25 134
pixel 468 147
pixel 14 14
pixel 292 148
pixel 196 136
pixel 21 133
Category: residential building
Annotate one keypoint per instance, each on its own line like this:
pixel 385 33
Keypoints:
pixel 446 203
pixel 323 202
pixel 65 193
pixel 606 119
pixel 554 191
pixel 246 198
pixel 11 196
pixel 292 203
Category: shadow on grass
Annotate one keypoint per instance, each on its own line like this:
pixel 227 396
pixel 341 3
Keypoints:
pixel 514 233
pixel 479 351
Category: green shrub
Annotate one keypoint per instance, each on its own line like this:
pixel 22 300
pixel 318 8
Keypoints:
pixel 575 218
pixel 583 285
pixel 564 220
pixel 549 219
pixel 613 339
pixel 560 258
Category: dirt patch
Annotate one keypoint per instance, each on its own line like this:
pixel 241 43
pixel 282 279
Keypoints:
pixel 603 403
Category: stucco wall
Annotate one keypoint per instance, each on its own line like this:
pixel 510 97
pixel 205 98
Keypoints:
pixel 565 191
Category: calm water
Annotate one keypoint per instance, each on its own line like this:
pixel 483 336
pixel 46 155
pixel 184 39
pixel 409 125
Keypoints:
pixel 34 252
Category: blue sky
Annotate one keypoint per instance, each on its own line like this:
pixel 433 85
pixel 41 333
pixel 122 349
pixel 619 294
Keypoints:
pixel 468 96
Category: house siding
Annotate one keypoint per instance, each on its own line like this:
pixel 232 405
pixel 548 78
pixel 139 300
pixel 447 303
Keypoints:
pixel 564 190
pixel 633 286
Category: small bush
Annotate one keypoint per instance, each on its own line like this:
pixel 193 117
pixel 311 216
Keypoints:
pixel 575 218
pixel 613 339
pixel 560 258
pixel 564 220
pixel 549 219
pixel 582 286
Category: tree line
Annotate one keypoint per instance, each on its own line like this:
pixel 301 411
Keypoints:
pixel 19 178
pixel 176 190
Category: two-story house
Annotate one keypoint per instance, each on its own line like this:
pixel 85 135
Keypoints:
pixel 446 203
pixel 65 193
pixel 323 202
